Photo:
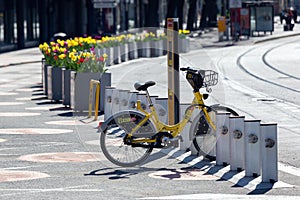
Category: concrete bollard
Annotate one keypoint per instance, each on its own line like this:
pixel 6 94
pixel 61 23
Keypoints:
pixel 123 96
pixel 252 148
pixel 161 106
pixel 237 143
pixel 269 148
pixel 108 102
pixel 223 139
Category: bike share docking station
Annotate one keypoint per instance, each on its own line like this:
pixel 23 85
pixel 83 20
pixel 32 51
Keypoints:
pixel 243 145
pixel 247 145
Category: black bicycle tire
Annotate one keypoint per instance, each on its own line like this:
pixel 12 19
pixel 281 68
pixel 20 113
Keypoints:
pixel 195 142
pixel 115 161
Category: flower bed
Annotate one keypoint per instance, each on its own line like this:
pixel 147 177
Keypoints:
pixel 94 55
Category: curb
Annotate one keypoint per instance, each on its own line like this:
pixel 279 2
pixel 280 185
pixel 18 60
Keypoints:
pixel 275 38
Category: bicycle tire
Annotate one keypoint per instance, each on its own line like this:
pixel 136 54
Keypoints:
pixel 113 133
pixel 205 143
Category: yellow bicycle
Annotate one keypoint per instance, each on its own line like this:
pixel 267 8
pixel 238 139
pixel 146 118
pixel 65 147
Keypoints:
pixel 128 137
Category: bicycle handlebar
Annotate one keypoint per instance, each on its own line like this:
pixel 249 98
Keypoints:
pixel 188 69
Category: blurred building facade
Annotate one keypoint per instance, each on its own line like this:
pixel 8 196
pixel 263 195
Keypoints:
pixel 26 23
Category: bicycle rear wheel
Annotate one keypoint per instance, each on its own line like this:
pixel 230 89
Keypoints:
pixel 204 136
pixel 112 139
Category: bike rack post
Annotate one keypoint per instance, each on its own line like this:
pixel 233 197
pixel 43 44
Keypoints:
pixel 132 99
pixel 237 143
pixel 108 102
pixel 143 99
pixel 269 152
pixel 123 105
pixel 186 141
pixel 223 139
pixel 115 101
pixel 161 105
pixel 97 94
pixel 252 148
pixel 153 99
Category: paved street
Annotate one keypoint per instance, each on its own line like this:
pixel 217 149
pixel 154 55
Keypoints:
pixel 47 151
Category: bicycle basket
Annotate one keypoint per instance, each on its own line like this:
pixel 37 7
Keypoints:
pixel 210 77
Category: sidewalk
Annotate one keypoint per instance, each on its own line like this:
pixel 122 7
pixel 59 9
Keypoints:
pixel 41 141
pixel 207 39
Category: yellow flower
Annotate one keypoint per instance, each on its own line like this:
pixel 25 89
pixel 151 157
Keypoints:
pixel 62 50
pixel 105 55
pixel 62 56
pixel 61 42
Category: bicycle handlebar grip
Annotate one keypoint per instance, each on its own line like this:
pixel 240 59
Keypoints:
pixel 188 69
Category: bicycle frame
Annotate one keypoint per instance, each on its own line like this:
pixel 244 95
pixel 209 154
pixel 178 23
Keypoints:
pixel 175 129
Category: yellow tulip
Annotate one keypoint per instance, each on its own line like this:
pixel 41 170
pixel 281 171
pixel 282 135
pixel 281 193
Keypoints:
pixel 62 56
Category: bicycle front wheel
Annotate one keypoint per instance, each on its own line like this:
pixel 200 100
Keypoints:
pixel 205 139
pixel 112 139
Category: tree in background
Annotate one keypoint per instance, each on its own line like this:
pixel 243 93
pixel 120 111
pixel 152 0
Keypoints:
pixel 192 15
pixel 209 14
pixel 175 10
pixel 152 15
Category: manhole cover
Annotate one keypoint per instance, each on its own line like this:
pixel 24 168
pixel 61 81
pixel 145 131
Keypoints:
pixel 12 175
pixel 183 174
pixel 37 131
pixel 63 157
pixel 265 99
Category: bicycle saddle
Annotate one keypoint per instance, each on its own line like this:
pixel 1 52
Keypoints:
pixel 143 86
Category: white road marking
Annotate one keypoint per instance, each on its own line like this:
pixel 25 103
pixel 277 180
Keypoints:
pixel 236 178
pixel 289 169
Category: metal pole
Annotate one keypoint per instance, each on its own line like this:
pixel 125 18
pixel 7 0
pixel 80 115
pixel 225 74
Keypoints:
pixel 173 68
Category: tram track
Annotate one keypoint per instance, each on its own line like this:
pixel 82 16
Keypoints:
pixel 279 104
pixel 274 68
pixel 242 67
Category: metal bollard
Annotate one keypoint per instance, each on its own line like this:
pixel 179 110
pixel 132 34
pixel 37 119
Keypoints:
pixel 223 139
pixel 132 98
pixel 252 150
pixel 153 99
pixel 115 98
pixel 186 140
pixel 237 143
pixel 108 102
pixel 123 96
pixel 161 106
pixel 143 99
pixel 269 149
